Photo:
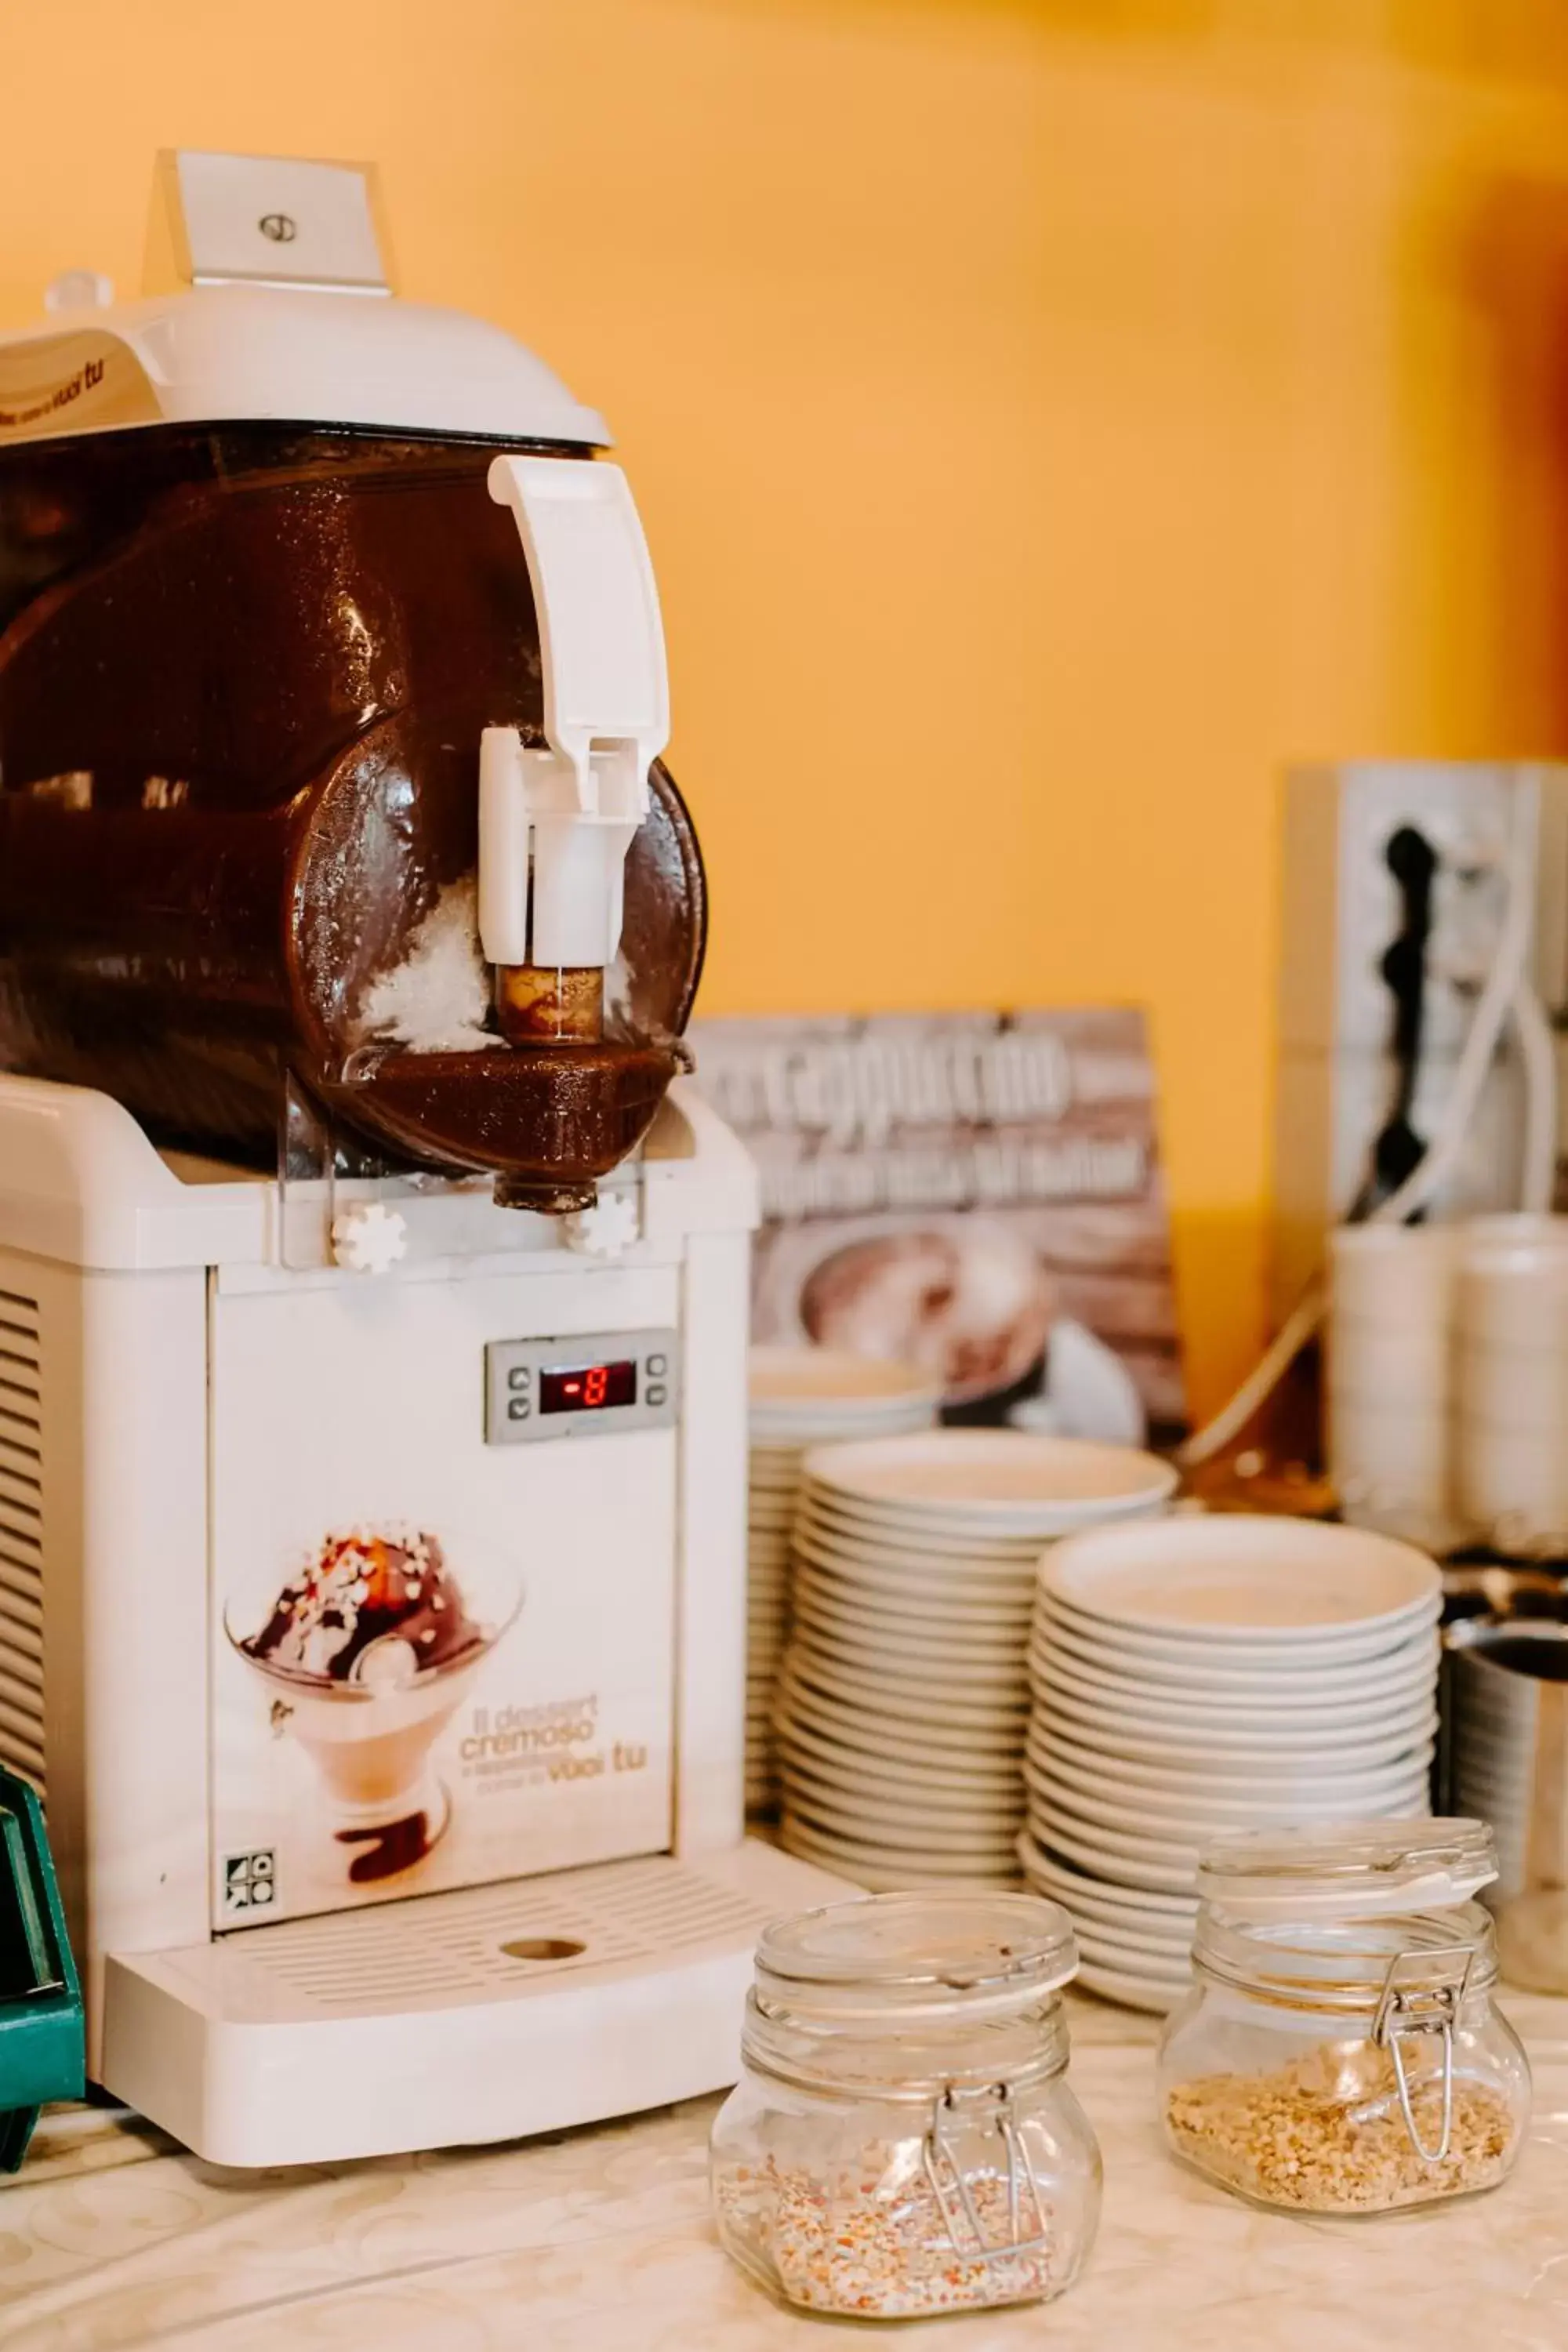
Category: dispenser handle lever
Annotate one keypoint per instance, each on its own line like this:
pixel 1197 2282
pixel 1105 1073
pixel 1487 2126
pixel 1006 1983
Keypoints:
pixel 555 826
pixel 601 637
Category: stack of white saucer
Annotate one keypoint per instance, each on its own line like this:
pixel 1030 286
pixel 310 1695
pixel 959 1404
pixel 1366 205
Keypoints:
pixel 904 1697
pixel 1210 1673
pixel 802 1397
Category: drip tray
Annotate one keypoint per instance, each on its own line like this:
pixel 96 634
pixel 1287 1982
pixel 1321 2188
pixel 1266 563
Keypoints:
pixel 486 2014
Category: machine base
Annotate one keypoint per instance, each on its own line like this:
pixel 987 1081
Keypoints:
pixel 484 2015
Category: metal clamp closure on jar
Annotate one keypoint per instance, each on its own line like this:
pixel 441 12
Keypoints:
pixel 1412 2010
pixel 949 2182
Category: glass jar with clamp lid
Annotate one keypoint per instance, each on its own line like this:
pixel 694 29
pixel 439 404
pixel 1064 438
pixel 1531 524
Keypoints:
pixel 1340 2050
pixel 903 2139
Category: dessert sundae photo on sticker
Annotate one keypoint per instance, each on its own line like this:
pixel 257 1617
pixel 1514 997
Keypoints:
pixel 366 1654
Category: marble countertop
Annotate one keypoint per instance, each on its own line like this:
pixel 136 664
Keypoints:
pixel 113 2239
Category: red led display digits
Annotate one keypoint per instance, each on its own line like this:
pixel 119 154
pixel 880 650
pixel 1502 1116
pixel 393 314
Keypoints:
pixel 587 1388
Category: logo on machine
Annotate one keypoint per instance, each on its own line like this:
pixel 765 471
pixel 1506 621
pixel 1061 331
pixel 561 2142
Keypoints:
pixel 250 1880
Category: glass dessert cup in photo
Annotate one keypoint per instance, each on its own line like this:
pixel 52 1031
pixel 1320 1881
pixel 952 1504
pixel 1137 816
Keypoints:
pixel 371 1730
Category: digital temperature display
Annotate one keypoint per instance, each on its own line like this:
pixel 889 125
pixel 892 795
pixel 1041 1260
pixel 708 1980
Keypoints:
pixel 581 1384
pixel 587 1388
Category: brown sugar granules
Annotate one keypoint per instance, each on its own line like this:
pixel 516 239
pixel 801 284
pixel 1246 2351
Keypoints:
pixel 1326 2133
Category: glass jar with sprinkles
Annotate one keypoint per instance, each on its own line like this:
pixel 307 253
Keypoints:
pixel 1340 2050
pixel 903 2140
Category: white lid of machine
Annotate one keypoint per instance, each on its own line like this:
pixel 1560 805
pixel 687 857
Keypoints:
pixel 218 354
pixel 282 309
pixel 1354 1870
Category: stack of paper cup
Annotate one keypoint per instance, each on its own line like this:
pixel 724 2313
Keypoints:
pixel 802 1397
pixel 1389 1379
pixel 1510 1378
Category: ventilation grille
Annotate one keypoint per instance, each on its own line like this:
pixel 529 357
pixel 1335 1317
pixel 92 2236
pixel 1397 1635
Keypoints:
pixel 391 1956
pixel 21 1538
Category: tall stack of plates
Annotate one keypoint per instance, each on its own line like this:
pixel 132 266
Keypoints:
pixel 1209 1673
pixel 904 1698
pixel 802 1397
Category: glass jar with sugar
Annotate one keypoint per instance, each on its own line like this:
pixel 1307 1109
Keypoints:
pixel 903 2140
pixel 1340 2050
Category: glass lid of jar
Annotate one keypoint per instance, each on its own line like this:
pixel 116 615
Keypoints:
pixel 933 1949
pixel 1346 1870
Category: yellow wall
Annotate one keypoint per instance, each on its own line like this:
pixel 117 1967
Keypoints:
pixel 1047 418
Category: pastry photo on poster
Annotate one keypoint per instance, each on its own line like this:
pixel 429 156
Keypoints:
pixel 979 1194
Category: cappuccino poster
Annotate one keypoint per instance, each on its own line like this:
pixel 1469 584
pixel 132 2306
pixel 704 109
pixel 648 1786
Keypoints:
pixel 976 1192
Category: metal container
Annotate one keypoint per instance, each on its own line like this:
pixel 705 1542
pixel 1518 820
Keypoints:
pixel 1507 1692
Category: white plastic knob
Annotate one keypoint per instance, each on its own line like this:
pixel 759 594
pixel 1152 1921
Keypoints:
pixel 606 1229
pixel 369 1238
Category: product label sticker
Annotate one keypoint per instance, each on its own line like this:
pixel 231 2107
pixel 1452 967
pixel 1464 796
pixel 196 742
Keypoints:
pixel 434 1663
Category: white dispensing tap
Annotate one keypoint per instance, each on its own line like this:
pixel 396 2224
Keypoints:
pixel 555 824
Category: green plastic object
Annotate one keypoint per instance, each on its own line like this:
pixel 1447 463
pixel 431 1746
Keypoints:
pixel 43 2045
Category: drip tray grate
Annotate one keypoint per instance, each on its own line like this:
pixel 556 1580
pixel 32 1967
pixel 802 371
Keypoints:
pixel 486 1943
pixel 483 2014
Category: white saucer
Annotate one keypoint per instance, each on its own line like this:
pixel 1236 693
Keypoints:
pixel 1412 1736
pixel 863 1647
pixel 1309 1778
pixel 1165 1958
pixel 859 1725
pixel 996 1479
pixel 1155 1877
pixel 1128 1649
pixel 1244 1803
pixel 1094 1855
pixel 1281 1672
pixel 980 1630
pixel 988 1847
pixel 1130 1992
pixel 924 1700
pixel 1171 1914
pixel 1124 1701
pixel 973 1814
pixel 1234 1578
pixel 1058 1799
pixel 917 1546
pixel 899 1869
pixel 1115 1845
pixel 935 1775
pixel 949 1587
pixel 845 1815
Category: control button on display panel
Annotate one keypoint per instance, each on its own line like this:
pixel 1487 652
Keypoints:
pixel 658 1366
